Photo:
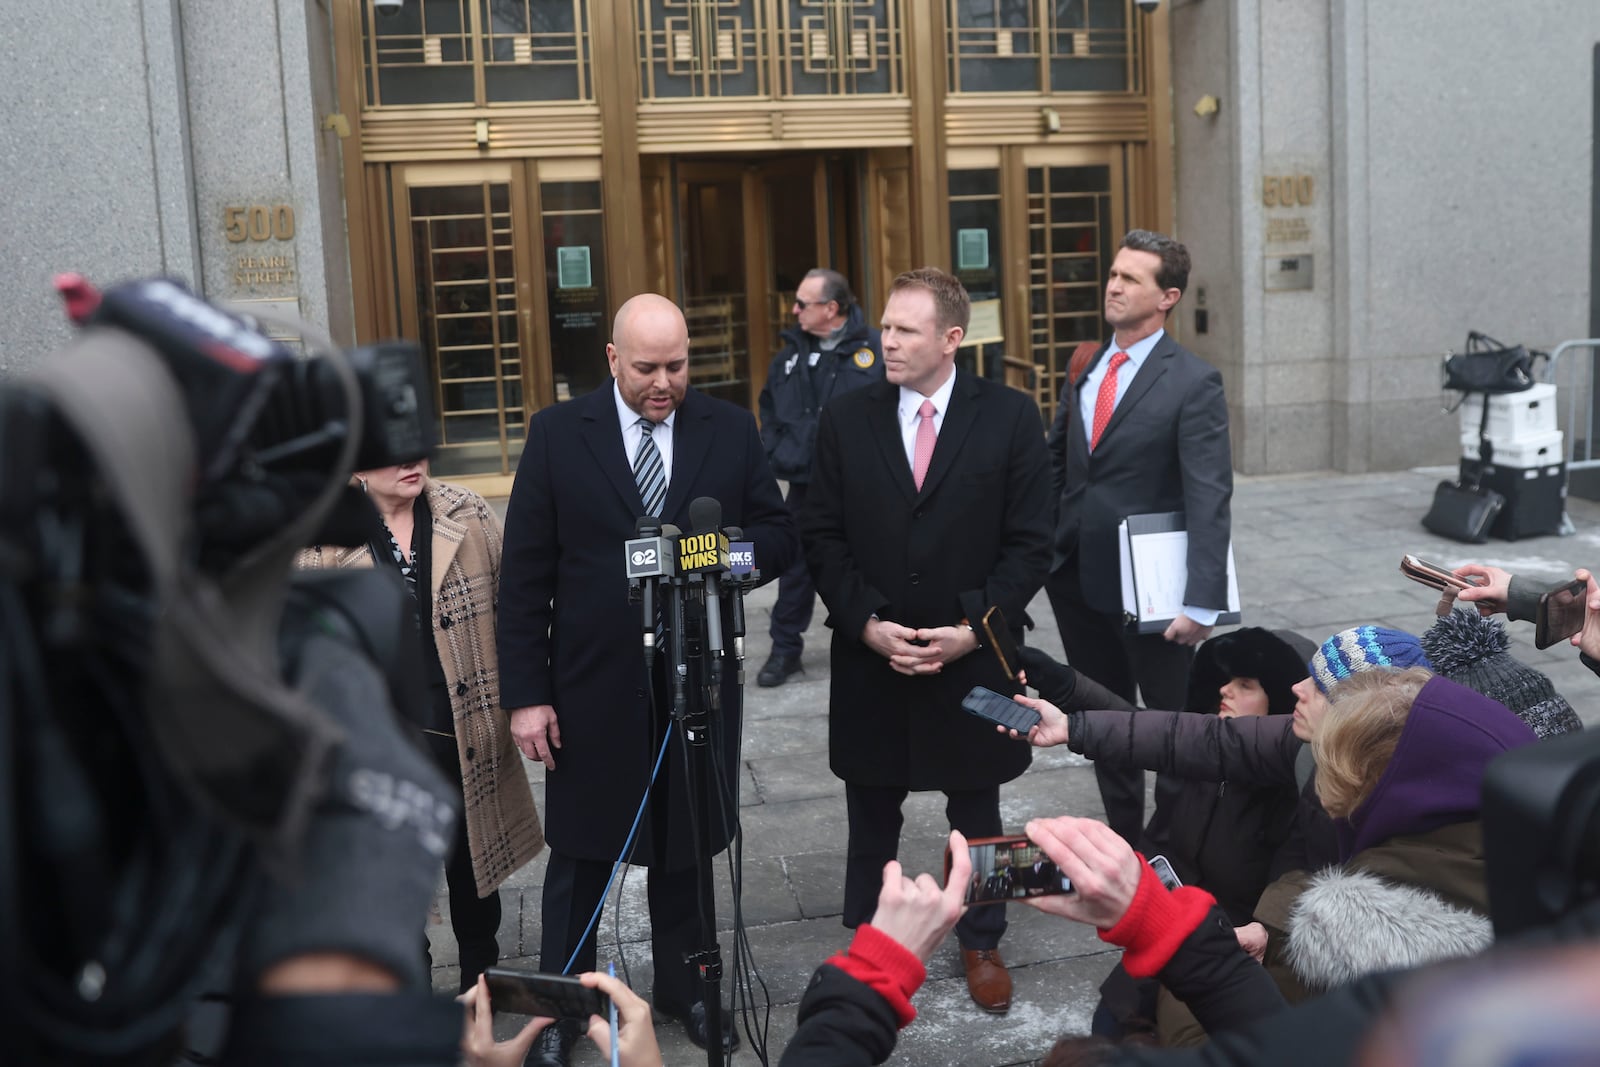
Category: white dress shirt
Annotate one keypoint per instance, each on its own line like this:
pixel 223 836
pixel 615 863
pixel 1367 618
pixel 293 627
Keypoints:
pixel 911 402
pixel 632 435
pixel 1090 393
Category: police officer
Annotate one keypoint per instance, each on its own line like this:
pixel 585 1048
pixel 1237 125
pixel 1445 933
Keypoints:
pixel 829 350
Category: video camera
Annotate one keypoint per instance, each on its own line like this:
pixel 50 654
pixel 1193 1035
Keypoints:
pixel 157 751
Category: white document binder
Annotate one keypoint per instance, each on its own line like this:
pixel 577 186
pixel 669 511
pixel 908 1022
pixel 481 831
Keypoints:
pixel 1155 572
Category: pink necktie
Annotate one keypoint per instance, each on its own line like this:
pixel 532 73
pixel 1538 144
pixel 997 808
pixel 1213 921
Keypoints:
pixel 925 438
pixel 1106 401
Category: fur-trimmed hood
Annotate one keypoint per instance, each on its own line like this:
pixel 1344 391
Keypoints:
pixel 1348 924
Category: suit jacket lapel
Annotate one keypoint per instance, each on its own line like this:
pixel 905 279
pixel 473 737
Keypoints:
pixel 959 418
pixel 447 537
pixel 1155 365
pixel 885 430
pixel 691 440
pixel 602 434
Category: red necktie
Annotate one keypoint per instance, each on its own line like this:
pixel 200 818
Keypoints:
pixel 1106 402
pixel 925 441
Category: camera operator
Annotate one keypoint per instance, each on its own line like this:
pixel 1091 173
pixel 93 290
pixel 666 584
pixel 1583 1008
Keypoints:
pixel 206 783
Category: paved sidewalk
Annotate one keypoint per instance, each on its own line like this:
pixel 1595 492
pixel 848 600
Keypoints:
pixel 1315 553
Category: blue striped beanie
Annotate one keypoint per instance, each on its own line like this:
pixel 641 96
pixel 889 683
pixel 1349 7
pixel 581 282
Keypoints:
pixel 1365 648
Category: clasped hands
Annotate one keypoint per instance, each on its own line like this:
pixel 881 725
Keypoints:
pixel 938 645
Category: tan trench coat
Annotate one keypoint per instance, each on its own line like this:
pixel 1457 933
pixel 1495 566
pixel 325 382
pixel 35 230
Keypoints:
pixel 503 827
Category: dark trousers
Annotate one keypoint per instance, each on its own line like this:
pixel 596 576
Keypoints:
pixel 875 822
pixel 572 889
pixel 474 920
pixel 1143 668
pixel 797 597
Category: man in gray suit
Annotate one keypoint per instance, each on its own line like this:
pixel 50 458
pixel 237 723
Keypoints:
pixel 1144 429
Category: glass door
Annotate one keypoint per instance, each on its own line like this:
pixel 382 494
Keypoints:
pixel 1075 216
pixel 463 267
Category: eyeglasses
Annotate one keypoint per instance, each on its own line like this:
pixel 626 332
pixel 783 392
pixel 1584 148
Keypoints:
pixel 803 304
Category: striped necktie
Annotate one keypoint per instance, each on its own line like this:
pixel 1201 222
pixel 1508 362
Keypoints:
pixel 649 473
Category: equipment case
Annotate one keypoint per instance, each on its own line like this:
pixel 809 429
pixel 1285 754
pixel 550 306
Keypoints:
pixel 1536 497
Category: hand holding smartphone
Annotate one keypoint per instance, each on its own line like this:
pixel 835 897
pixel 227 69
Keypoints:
pixel 1008 868
pixel 1433 575
pixel 997 635
pixel 997 708
pixel 551 996
pixel 1561 613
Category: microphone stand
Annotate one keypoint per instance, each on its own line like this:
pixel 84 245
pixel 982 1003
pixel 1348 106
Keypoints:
pixel 693 706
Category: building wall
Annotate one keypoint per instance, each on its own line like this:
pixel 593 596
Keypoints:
pixel 128 129
pixel 1449 146
pixel 1446 145
pixel 94 158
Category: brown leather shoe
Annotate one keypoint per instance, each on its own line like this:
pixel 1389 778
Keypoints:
pixel 987 979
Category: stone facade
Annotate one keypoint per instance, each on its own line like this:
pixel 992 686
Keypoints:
pixel 129 130
pixel 1447 149
pixel 1417 155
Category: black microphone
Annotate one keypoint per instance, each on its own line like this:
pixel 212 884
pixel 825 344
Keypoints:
pixel 741 562
pixel 705 516
pixel 650 556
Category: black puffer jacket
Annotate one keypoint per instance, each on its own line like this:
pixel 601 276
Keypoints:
pixel 843 1023
pixel 1220 833
pixel 792 400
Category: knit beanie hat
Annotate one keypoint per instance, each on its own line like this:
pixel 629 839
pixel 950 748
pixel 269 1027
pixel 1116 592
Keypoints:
pixel 1469 649
pixel 1364 648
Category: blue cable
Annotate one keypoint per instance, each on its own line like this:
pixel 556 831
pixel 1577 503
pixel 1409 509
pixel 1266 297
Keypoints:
pixel 627 848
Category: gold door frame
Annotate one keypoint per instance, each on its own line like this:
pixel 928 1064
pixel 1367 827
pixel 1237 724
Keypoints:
pixel 532 329
pixel 662 179
pixel 1015 193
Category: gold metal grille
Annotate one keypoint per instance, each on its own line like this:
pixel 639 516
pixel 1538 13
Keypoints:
pixel 718 329
pixel 839 48
pixel 1050 46
pixel 1069 245
pixel 478 52
pixel 462 254
pixel 720 49
pixel 702 48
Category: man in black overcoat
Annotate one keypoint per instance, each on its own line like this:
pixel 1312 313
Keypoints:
pixel 1143 430
pixel 930 503
pixel 572 671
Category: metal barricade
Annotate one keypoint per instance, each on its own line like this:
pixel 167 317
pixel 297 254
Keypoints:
pixel 1574 379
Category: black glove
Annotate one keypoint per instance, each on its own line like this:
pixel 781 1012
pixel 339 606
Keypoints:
pixel 370 862
pixel 1055 681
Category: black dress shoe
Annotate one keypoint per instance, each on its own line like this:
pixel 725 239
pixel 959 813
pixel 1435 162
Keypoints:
pixel 694 1024
pixel 776 670
pixel 553 1046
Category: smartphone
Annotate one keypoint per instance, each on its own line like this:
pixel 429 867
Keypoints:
pixel 987 704
pixel 1163 868
pixel 1008 868
pixel 997 635
pixel 552 996
pixel 1560 614
pixel 1433 575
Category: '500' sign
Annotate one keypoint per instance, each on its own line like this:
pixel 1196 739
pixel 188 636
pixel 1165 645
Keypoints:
pixel 1288 191
pixel 258 222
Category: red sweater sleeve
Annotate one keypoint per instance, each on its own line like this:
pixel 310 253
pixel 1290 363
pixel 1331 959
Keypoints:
pixel 1156 923
pixel 885 966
